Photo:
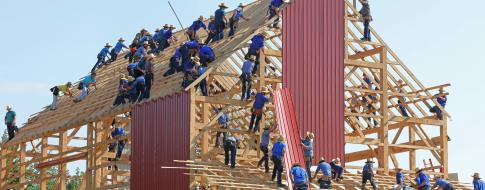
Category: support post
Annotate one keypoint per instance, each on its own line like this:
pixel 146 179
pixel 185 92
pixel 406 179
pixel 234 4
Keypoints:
pixel 444 145
pixel 383 133
pixel 90 157
pixel 23 148
pixel 43 171
pixel 63 166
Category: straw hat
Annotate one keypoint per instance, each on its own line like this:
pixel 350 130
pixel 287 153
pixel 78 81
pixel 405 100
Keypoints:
pixel 265 34
pixel 322 159
pixel 165 26
pixel 145 43
pixel 417 170
pixel 280 138
pixel 336 160
pixel 121 39
pixel 310 135
pixel 9 108
pixel 241 5
pixel 157 30
pixel 223 5
pixel 369 160
pixel 212 17
pixel 476 175
pixel 131 78
pixel 201 18
pixel 172 26
pixel 264 89
pixel 108 45
pixel 196 60
pixel 252 58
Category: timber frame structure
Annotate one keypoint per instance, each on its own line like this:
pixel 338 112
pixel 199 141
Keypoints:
pixel 49 138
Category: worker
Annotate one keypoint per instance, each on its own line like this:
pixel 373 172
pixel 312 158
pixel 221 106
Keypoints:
pixel 400 179
pixel 299 177
pixel 441 98
pixel 174 63
pixel 102 55
pixel 168 37
pixel 274 11
pixel 119 134
pixel 139 35
pixel 256 48
pixel 142 51
pixel 246 78
pixel 337 169
pixel 230 147
pixel 234 20
pixel 478 183
pixel 277 155
pixel 146 38
pixel 401 100
pixel 84 84
pixel 158 37
pixel 307 144
pixel 131 68
pixel 258 108
pixel 326 180
pixel 423 179
pixel 140 87
pixel 188 50
pixel 65 89
pixel 118 49
pixel 203 83
pixel 368 99
pixel 196 26
pixel 222 121
pixel 123 90
pixel 212 30
pixel 131 53
pixel 263 146
pixel 190 72
pixel 148 75
pixel 368 174
pixel 442 184
pixel 206 55
pixel 221 21
pixel 11 122
pixel 365 17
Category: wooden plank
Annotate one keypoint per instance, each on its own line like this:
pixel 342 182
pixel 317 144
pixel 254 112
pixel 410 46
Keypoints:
pixel 367 53
pixel 62 160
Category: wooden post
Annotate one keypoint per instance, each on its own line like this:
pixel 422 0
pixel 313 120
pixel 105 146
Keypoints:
pixel 412 153
pixel 43 171
pixel 90 157
pixel 383 133
pixel 22 166
pixel 444 145
pixel 205 135
pixel 3 168
pixel 193 131
pixel 62 167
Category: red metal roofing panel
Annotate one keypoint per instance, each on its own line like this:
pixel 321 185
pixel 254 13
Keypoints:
pixel 160 135
pixel 313 70
pixel 288 127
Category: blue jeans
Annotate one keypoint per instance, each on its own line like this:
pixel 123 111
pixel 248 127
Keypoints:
pixel 367 35
pixel 230 147
pixel 84 93
pixel 247 85
pixel 256 117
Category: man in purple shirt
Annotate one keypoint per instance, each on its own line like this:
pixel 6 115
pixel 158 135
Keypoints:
pixel 258 108
pixel 246 78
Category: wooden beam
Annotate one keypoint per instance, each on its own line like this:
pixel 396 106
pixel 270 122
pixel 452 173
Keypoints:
pixel 62 160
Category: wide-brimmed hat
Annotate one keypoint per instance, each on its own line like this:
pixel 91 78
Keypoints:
pixel 252 58
pixel 212 17
pixel 145 43
pixel 280 138
pixel 476 175
pixel 322 159
pixel 69 83
pixel 201 18
pixel 223 5
pixel 131 78
pixel 121 39
pixel 336 160
pixel 369 160
pixel 297 164
pixel 9 108
pixel 144 29
pixel 310 135
pixel 172 26
pixel 166 26
pixel 241 5
pixel 264 89
pixel 108 45
pixel 157 30
pixel 196 60
pixel 417 170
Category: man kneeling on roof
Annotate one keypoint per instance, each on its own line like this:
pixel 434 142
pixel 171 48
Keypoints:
pixel 174 63
pixel 65 89
pixel 84 86
pixel 326 180
pixel 337 169
pixel 442 183
pixel 299 177
pixel 123 89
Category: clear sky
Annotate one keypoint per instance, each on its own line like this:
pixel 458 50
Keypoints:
pixel 47 43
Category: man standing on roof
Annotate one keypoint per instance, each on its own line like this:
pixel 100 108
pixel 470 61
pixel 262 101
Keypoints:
pixel 400 179
pixel 234 20
pixel 10 122
pixel 366 18
pixel 274 10
pixel 221 21
pixel 230 146
pixel 84 85
pixel 174 63
pixel 206 55
pixel 307 144
pixel 196 26
pixel 123 89
pixel 326 180
pixel 478 183
pixel 246 78
pixel 264 143
pixel 299 177
pixel 222 121
pixel 102 55
pixel 424 183
pixel 158 37
pixel 65 89
pixel 278 152
pixel 441 98
pixel 256 48
pixel 212 30
pixel 442 183
pixel 118 49
pixel 258 108
pixel 368 174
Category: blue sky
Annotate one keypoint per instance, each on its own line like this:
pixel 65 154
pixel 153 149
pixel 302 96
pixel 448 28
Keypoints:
pixel 47 43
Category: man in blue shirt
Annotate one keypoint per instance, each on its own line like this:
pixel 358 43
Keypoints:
pixel 299 177
pixel 441 98
pixel 206 55
pixel 442 183
pixel 234 20
pixel 307 144
pixel 119 133
pixel 256 47
pixel 102 55
pixel 230 146
pixel 118 49
pixel 10 122
pixel 174 63
pixel 222 121
pixel 123 89
pixel 167 37
pixel 190 73
pixel 221 20
pixel 246 78
pixel 140 86
pixel 326 180
pixel 84 84
pixel 203 83
pixel 212 30
pixel 196 26
pixel 337 169
pixel 401 100
pixel 368 174
pixel 274 10
pixel 278 152
pixel 263 145
pixel 478 183
pixel 142 51
pixel 400 179
pixel 424 184
pixel 258 108
pixel 366 18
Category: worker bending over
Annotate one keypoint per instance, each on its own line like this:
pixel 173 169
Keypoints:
pixel 423 179
pixel 337 169
pixel 256 48
pixel 84 84
pixel 65 89
pixel 196 26
pixel 478 183
pixel 274 11
pixel 174 63
pixel 299 177
pixel 442 184
pixel 234 20
pixel 118 49
pixel 102 55
pixel 326 180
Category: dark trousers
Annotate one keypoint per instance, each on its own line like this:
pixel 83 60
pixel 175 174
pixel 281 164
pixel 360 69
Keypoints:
pixel 148 83
pixel 308 165
pixel 174 67
pixel 218 135
pixel 121 146
pixel 11 131
pixel 273 13
pixel 300 186
pixel 370 178
pixel 265 158
pixel 325 184
pixel 256 117
pixel 277 169
pixel 210 37
pixel 140 93
pixel 203 87
pixel 114 56
pixel 120 99
pixel 367 35
pixel 426 187
pixel 99 63
pixel 220 26
pixel 404 112
pixel 256 62
pixel 247 85
pixel 337 172
pixel 230 147
pixel 437 110
pixel 204 60
pixel 233 26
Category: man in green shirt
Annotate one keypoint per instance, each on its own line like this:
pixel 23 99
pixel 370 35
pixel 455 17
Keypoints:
pixel 10 121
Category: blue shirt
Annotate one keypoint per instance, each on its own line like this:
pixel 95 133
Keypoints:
pixel 119 46
pixel 142 40
pixel 10 116
pixel 192 44
pixel 202 70
pixel 367 168
pixel 219 15
pixel 299 175
pixel 140 52
pixel 207 51
pixel 223 119
pixel 478 184
pixel 417 180
pixel 196 25
pixel 140 80
pixel 132 65
pixel 248 67
pixel 259 101
pixel 276 3
pixel 177 54
pixel 238 14
pixel 423 178
pixel 118 131
pixel 104 52
pixel 87 80
pixel 167 34
pixel 325 168
pixel 141 64
pixel 257 42
pixel 265 137
pixel 400 179
pixel 278 149
pixel 309 144
pixel 441 100
pixel 212 26
pixel 367 80
pixel 440 183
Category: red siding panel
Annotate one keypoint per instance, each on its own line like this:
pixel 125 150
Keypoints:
pixel 160 135
pixel 288 127
pixel 313 70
